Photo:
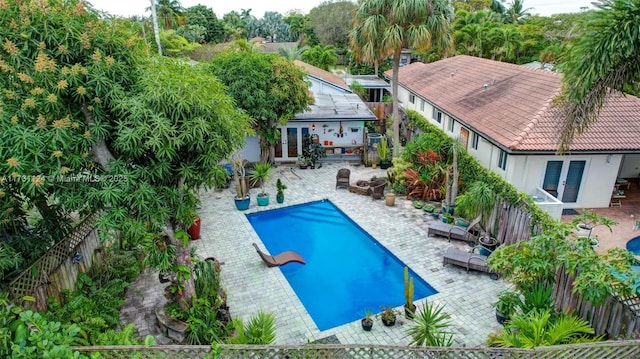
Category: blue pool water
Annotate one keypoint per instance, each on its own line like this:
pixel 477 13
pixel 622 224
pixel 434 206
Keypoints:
pixel 347 270
pixel 634 245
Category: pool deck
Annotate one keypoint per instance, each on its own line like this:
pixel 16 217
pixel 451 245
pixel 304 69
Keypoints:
pixel 251 286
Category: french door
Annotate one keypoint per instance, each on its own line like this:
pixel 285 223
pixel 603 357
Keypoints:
pixel 290 143
pixel 563 179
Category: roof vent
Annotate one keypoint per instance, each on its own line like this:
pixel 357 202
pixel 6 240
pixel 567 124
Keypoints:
pixel 494 81
pixel 486 86
pixel 453 73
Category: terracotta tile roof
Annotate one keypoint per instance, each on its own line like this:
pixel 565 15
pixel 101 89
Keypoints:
pixel 512 104
pixel 323 75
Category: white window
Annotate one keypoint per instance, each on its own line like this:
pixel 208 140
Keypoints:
pixel 422 105
pixel 502 160
pixel 474 141
pixel 437 115
pixel 451 124
pixel 412 98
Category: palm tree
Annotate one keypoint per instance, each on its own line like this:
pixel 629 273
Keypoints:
pixel 517 13
pixel 398 24
pixel 607 57
pixel 292 53
pixel 508 40
pixel 169 10
pixel 322 56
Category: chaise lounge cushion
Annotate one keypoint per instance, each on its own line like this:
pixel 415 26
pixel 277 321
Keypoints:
pixel 451 231
pixel 468 260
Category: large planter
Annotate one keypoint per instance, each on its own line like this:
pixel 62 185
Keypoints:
pixel 194 229
pixel 583 230
pixel 367 324
pixel 389 322
pixel 390 199
pixel 385 164
pixel 409 313
pixel 501 318
pixel 487 245
pixel 280 199
pixel 263 200
pixel 461 222
pixel 242 203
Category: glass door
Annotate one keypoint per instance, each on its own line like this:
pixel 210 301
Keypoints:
pixel 563 179
pixel 290 141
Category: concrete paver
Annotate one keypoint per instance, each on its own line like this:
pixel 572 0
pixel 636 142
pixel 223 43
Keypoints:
pixel 252 286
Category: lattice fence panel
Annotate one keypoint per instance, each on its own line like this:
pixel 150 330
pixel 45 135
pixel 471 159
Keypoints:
pixel 601 350
pixel 38 272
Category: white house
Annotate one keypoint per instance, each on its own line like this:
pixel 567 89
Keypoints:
pixel 504 115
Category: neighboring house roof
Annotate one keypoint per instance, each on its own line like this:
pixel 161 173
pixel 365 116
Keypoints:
pixel 323 75
pixel 336 107
pixel 369 81
pixel 276 46
pixel 512 105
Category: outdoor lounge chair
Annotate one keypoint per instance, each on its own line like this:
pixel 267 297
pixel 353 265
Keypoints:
pixel 376 188
pixel 279 259
pixel 468 260
pixel 342 178
pixel 451 231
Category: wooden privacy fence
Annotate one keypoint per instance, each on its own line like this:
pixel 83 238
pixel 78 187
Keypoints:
pixel 617 317
pixel 510 223
pixel 58 269
pixel 601 350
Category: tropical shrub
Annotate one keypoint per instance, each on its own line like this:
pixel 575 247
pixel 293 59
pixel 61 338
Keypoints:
pixel 429 326
pixel 260 330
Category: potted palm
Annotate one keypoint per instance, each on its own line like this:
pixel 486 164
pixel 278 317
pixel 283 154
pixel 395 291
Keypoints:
pixel 242 199
pixel 367 321
pixel 280 188
pixel 506 305
pixel 383 152
pixel 261 173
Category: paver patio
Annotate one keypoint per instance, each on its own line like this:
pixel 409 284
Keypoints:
pixel 252 286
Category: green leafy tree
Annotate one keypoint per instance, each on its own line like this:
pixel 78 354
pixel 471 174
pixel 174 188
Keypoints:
pixel 332 20
pixel 274 27
pixel 204 16
pixel 276 86
pixel 399 24
pixel 139 135
pixel 299 27
pixel 234 27
pixel 321 56
pixel 606 58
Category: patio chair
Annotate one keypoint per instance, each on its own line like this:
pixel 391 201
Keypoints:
pixel 468 260
pixel 451 231
pixel 279 259
pixel 342 178
pixel 376 188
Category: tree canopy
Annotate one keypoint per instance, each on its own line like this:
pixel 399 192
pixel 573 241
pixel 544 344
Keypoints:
pixel 331 22
pixel 268 87
pixel 606 57
pixel 92 122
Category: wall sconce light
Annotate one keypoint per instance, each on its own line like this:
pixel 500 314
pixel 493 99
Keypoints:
pixel 313 127
pixel 77 258
pixel 609 158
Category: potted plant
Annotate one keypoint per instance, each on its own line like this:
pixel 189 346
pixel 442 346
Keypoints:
pixel 314 152
pixel 436 213
pixel 261 172
pixel 280 194
pixel 388 316
pixel 367 321
pixel 488 244
pixel 303 162
pixel 242 199
pixel 588 220
pixel 447 217
pixel 418 204
pixel 383 152
pixel 429 208
pixel 409 307
pixel 506 305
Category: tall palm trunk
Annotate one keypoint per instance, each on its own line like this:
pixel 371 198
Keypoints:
pixel 156 31
pixel 396 106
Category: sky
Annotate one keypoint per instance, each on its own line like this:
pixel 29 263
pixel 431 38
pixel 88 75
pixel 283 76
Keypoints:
pixel 259 7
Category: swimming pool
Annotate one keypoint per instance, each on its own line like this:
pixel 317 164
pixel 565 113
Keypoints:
pixel 347 271
pixel 633 245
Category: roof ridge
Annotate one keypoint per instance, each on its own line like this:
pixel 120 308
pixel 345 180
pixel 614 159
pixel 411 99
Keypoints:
pixel 534 121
